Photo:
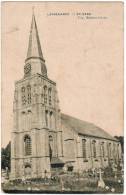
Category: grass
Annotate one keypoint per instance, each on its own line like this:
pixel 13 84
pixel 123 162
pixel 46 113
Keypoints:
pixel 69 185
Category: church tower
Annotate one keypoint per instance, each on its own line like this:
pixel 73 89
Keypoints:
pixel 36 131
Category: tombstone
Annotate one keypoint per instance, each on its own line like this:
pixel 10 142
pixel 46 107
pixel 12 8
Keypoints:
pixel 112 189
pixel 23 179
pixel 45 174
pixel 107 187
pixel 7 173
pixel 62 184
pixel 101 183
pixel 122 169
pixel 114 167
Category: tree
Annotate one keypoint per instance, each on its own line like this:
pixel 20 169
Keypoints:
pixel 6 156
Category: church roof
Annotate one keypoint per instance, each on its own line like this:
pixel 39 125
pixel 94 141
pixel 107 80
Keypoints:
pixel 34 46
pixel 84 128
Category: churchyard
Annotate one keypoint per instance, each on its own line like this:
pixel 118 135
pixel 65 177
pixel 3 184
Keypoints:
pixel 108 180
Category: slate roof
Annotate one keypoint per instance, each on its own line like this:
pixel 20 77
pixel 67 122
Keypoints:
pixel 34 47
pixel 84 128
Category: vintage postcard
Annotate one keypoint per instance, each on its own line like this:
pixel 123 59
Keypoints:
pixel 62 97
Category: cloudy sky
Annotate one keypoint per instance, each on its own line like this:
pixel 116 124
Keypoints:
pixel 84 57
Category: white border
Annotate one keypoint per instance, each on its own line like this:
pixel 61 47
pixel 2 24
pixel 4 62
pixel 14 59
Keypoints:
pixel 124 74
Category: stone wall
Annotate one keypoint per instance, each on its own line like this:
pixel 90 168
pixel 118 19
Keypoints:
pixel 73 151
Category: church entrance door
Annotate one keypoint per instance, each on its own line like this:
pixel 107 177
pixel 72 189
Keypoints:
pixel 27 170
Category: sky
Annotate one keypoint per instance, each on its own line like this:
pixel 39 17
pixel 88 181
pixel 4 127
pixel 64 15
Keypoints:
pixel 83 56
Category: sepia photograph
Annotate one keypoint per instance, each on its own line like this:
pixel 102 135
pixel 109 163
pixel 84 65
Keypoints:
pixel 62 97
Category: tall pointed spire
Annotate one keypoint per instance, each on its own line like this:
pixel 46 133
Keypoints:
pixel 34 47
pixel 34 62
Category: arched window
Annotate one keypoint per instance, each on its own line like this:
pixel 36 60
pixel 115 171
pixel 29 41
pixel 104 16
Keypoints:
pixel 50 139
pixel 27 145
pixel 50 146
pixel 84 148
pixel 46 118
pixel 29 93
pixel 23 97
pixel 23 120
pixel 109 150
pixel 94 148
pixel 51 115
pixel 45 94
pixel 114 150
pixel 29 119
pixel 102 149
pixel 49 95
pixel 118 151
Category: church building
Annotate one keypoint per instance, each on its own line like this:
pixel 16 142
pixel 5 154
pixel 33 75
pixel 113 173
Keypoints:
pixel 44 139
